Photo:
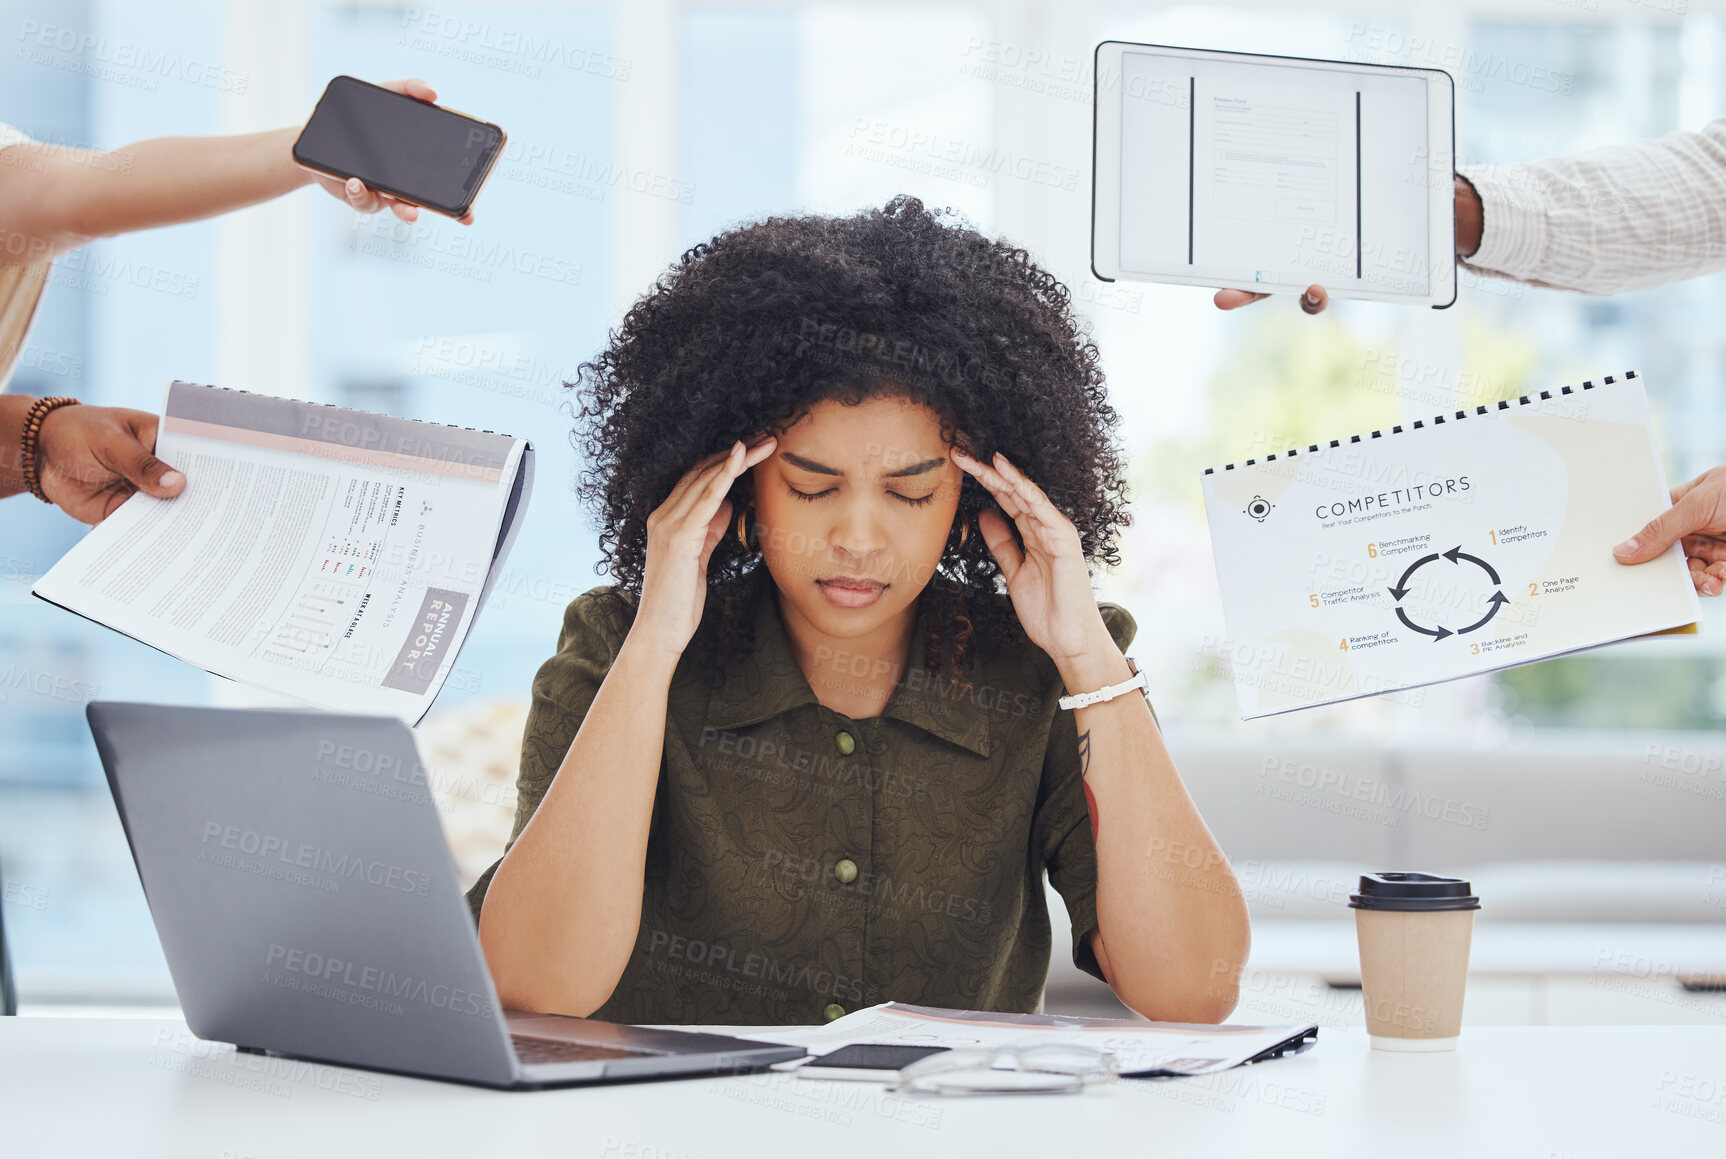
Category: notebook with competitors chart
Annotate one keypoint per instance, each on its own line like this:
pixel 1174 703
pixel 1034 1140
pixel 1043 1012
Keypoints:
pixel 1472 541
pixel 335 556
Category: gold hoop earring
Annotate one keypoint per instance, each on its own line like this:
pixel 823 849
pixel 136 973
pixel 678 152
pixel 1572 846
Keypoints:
pixel 964 530
pixel 743 538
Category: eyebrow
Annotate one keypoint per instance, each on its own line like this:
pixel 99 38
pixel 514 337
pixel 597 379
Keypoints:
pixel 822 469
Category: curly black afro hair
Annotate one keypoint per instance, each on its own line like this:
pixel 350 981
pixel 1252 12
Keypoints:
pixel 748 331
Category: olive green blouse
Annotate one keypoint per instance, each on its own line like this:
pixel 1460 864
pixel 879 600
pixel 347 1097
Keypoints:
pixel 802 864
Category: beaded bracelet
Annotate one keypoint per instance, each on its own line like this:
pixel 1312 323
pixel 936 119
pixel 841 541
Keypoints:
pixel 28 445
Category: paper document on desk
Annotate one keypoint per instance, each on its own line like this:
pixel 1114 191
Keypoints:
pixel 1472 541
pixel 1143 1049
pixel 331 555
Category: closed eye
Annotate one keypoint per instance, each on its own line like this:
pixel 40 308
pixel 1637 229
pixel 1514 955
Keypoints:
pixel 807 497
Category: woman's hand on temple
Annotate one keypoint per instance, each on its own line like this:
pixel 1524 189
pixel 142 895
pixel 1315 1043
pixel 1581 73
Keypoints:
pixel 1048 582
pixel 681 535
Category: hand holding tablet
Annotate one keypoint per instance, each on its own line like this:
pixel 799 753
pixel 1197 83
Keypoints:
pixel 1469 225
pixel 1313 299
pixel 1270 174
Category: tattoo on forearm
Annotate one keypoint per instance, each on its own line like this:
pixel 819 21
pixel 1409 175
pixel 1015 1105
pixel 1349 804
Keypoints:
pixel 1084 770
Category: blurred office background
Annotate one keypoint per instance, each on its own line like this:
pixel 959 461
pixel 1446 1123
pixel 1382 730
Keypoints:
pixel 640 127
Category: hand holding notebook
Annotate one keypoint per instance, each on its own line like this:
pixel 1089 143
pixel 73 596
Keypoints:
pixel 1465 543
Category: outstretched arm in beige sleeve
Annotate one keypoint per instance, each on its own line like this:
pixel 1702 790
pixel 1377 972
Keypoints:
pixel 54 198
pixel 1622 217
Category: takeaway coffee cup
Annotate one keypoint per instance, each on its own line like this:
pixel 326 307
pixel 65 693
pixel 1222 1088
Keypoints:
pixel 1414 931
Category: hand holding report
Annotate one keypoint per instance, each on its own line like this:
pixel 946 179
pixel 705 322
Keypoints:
pixel 334 556
pixel 1473 541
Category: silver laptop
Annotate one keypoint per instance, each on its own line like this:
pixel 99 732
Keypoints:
pixel 308 906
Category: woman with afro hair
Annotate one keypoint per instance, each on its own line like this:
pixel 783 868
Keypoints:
pixel 806 752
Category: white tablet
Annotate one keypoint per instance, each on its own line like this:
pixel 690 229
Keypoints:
pixel 1231 169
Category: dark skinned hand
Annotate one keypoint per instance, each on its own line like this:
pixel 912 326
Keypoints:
pixel 94 457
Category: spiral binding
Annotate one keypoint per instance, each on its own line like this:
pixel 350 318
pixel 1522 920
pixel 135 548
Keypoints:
pixel 352 410
pixel 1436 420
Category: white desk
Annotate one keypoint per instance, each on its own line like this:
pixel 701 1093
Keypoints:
pixel 136 1087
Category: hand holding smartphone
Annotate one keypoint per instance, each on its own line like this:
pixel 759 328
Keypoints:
pixel 399 145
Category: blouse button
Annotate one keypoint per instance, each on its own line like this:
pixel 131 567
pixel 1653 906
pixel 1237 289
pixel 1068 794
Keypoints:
pixel 832 1010
pixel 847 745
pixel 846 870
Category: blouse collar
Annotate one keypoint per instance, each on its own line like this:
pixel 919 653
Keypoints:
pixel 769 681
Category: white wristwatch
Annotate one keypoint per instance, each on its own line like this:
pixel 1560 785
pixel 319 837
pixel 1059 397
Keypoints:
pixel 1081 699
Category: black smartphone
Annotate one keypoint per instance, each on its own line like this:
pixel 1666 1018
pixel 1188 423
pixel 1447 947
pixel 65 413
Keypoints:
pixel 414 151
pixel 866 1060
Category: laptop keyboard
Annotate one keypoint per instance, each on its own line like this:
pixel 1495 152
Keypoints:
pixel 531 1050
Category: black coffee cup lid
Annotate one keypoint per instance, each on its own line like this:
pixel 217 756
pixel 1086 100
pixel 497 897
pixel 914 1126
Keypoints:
pixel 1393 890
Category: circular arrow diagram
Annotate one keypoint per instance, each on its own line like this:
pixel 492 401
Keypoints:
pixel 1455 555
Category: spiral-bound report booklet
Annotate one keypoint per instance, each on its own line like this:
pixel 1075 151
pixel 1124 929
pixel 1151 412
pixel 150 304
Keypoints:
pixel 1472 541
pixel 335 556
